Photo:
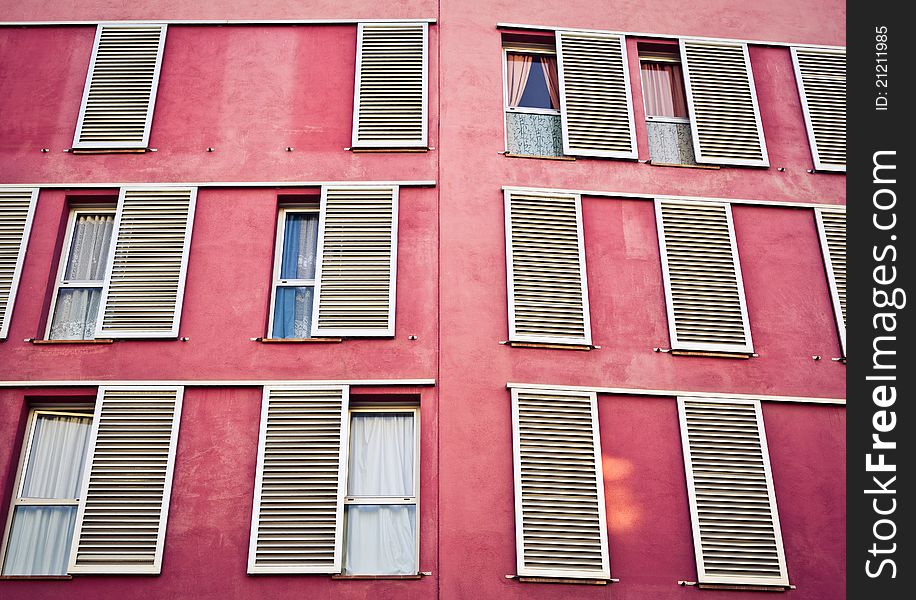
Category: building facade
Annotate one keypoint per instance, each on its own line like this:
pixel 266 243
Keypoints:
pixel 422 300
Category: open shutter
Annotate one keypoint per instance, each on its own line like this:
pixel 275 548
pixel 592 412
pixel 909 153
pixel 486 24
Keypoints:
pixel 831 224
pixel 545 263
pixel 722 101
pixel 297 519
pixel 17 206
pixel 144 285
pixel 732 503
pixel 821 77
pixel 595 104
pixel 124 501
pixel 706 305
pixel 120 91
pixel 390 98
pixel 357 264
pixel 560 521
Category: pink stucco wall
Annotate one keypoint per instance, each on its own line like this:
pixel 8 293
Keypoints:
pixel 249 92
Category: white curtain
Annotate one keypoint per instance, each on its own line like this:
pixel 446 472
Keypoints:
pixel 39 542
pixel 381 539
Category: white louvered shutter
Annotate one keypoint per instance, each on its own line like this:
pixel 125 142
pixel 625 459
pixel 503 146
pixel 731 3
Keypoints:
pixel 596 108
pixel 705 292
pixel 545 263
pixel 831 224
pixel 16 209
pixel 144 285
pixel 297 519
pixel 821 77
pixel 390 98
pixel 560 521
pixel 124 502
pixel 722 101
pixel 357 264
pixel 732 503
pixel 120 92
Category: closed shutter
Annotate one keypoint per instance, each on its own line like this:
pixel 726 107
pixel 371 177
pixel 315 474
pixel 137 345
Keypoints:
pixel 831 224
pixel 706 306
pixel 732 503
pixel 120 91
pixel 595 104
pixel 297 519
pixel 124 503
pixel 390 98
pixel 357 245
pixel 722 101
pixel 144 286
pixel 560 521
pixel 16 209
pixel 545 262
pixel 821 77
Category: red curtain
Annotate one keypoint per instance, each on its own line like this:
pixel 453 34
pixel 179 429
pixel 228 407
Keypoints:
pixel 549 65
pixel 663 90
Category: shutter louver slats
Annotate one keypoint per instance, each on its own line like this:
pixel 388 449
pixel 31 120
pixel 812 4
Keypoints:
pixel 391 85
pixel 548 292
pixel 732 502
pixel 703 284
pixel 561 527
pixel 16 210
pixel 124 502
pixel 595 101
pixel 722 101
pixel 121 87
pixel 143 291
pixel 831 225
pixel 356 273
pixel 297 520
pixel 821 77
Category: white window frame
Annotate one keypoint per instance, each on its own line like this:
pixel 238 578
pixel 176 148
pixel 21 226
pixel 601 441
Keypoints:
pixel 60 281
pixel 24 455
pixel 507 50
pixel 806 111
pixel 424 141
pixel 6 317
pixel 153 90
pixel 691 110
pixel 414 500
pixel 669 299
pixel 831 278
pixel 662 60
pixel 276 280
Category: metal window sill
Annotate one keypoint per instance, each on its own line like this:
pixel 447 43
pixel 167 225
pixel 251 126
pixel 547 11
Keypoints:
pixel 69 342
pixel 377 577
pixel 683 166
pixel 109 150
pixel 35 577
pixel 733 587
pixel 321 340
pixel 538 157
pixel 707 353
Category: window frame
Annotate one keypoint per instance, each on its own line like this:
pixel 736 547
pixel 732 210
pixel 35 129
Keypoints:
pixel 59 282
pixel 674 58
pixel 17 500
pixel 354 500
pixel 276 281
pixel 526 50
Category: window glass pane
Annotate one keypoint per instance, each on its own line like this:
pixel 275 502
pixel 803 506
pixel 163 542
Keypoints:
pixel 532 82
pixel 75 313
pixel 380 540
pixel 89 248
pixel 381 455
pixel 300 246
pixel 293 312
pixel 663 89
pixel 39 541
pixel 56 457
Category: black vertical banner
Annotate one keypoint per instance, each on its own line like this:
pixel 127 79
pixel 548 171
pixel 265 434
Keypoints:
pixel 880 427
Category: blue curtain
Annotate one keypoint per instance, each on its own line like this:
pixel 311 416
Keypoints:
pixel 293 305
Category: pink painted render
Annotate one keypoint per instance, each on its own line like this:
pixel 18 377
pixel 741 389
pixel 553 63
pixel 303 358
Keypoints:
pixel 251 91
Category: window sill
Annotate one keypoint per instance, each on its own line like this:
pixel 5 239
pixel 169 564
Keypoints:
pixel 535 156
pixel 298 340
pixel 110 150
pixel 682 166
pixel 35 577
pixel 69 342
pixel 551 346
pixel 357 149
pixel 376 577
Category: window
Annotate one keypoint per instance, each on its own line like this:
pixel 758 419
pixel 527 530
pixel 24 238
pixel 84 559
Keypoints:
pixel 380 531
pixel 532 100
pixel 81 276
pixel 15 225
pixel 43 511
pixel 665 100
pixel 294 273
